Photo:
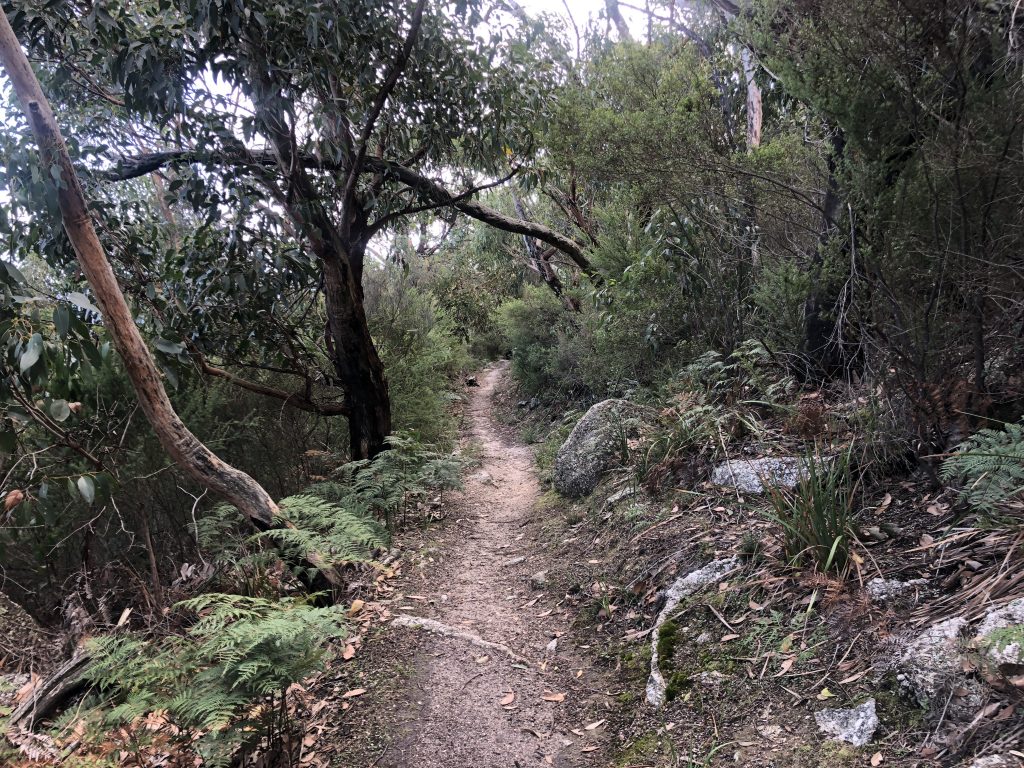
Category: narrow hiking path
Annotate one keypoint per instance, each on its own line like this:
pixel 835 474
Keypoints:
pixel 469 705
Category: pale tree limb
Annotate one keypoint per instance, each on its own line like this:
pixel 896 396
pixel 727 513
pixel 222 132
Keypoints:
pixel 187 451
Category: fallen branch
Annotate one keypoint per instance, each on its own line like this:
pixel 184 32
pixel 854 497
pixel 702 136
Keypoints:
pixel 431 625
pixel 51 694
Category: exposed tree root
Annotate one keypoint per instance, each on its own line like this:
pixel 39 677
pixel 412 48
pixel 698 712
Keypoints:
pixel 459 634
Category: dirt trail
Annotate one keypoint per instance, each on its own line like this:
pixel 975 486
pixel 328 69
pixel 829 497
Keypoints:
pixel 454 717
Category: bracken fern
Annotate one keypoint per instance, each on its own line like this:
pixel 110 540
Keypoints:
pixel 990 467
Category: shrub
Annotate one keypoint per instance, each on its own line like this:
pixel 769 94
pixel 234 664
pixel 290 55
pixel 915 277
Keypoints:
pixel 817 516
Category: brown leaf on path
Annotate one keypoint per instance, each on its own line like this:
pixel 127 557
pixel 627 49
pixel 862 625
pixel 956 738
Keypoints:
pixel 356 607
pixel 594 725
pixel 482 659
pixel 727 638
pixel 876 759
pixel 591 748
pixel 508 699
pixel 549 696
pixel 353 693
pixel 349 652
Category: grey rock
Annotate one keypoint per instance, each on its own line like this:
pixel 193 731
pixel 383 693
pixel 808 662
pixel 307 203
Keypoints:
pixel 855 726
pixel 681 588
pixel 992 761
pixel 618 496
pixel 758 475
pixel 1002 650
pixel 885 591
pixel 515 561
pixel 930 662
pixel 593 445
pixel 534 403
pixel 539 580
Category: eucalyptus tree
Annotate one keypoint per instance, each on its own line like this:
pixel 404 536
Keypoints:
pixel 274 141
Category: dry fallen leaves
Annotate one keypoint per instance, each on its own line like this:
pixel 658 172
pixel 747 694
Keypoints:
pixel 508 698
pixel 549 696
pixel 349 652
pixel 353 693
pixel 876 759
pixel 594 725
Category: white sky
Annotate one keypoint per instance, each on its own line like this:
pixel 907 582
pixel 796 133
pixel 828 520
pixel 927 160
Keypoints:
pixel 584 10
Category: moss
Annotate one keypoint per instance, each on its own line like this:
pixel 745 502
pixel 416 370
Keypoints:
pixel 677 684
pixel 897 708
pixel 668 639
pixel 643 750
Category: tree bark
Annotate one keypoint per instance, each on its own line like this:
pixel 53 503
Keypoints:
pixel 356 361
pixel 819 349
pixel 185 449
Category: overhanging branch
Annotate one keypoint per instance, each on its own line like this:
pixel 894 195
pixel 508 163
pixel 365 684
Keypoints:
pixel 134 167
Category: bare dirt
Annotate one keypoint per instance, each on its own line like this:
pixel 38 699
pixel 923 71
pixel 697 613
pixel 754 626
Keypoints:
pixel 470 705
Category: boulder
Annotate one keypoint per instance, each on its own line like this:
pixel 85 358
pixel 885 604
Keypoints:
pixel 594 443
pixel 758 475
pixel 855 726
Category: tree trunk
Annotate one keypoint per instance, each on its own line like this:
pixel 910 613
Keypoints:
pixel 819 347
pixel 355 357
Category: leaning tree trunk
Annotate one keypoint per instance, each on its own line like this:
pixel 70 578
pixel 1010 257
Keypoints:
pixel 184 448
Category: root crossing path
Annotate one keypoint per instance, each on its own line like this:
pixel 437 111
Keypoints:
pixel 498 681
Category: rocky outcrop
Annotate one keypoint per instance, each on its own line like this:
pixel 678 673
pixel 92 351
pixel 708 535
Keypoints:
pixel 595 443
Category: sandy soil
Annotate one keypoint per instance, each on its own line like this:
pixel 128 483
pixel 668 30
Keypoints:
pixel 458 711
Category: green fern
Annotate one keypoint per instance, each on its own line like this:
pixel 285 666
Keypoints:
pixel 990 467
pixel 235 652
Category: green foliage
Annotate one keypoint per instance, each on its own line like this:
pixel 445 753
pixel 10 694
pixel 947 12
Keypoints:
pixel 421 352
pixel 817 516
pixel 220 679
pixel 989 466
pixel 344 520
pixel 538 330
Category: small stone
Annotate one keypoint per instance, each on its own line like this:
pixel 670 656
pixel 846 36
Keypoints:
pixel 618 496
pixel 534 403
pixel 992 761
pixel 539 580
pixel 515 561
pixel 855 726
pixel 884 591
pixel 931 660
